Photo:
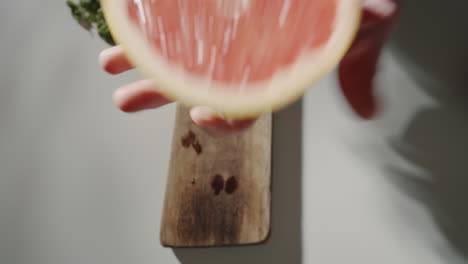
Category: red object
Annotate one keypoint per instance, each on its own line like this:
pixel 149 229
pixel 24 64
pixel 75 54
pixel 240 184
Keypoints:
pixel 357 69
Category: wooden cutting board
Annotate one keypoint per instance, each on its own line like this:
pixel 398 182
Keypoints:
pixel 219 189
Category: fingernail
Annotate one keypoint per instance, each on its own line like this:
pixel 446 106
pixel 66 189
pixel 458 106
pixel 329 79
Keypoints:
pixel 208 120
pixel 105 55
pixel 112 60
pixel 203 114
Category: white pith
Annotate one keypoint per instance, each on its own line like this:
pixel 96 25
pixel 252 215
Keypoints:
pixel 283 88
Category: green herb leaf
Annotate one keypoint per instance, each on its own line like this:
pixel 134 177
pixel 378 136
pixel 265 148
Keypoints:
pixel 88 13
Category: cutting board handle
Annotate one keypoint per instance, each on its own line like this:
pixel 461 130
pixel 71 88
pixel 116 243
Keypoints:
pixel 219 189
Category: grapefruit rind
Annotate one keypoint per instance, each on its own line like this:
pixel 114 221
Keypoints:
pixel 285 87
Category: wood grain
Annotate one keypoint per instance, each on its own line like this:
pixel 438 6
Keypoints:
pixel 219 189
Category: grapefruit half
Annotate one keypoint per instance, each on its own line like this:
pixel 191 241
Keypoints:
pixel 240 57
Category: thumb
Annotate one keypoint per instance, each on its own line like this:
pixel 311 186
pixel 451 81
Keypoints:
pixel 358 67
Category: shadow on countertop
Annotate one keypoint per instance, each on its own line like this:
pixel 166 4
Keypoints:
pixel 436 139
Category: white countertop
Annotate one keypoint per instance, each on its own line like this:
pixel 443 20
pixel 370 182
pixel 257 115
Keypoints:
pixel 81 182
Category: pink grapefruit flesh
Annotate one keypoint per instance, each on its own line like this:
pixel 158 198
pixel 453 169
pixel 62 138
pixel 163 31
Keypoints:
pixel 205 41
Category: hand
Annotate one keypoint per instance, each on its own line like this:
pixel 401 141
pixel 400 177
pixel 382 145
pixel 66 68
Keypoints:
pixel 358 67
pixel 143 95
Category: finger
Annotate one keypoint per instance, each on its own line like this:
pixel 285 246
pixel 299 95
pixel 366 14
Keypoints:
pixel 217 126
pixel 114 61
pixel 382 8
pixel 139 96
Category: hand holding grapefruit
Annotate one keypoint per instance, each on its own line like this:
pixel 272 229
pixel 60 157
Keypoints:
pixel 240 58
